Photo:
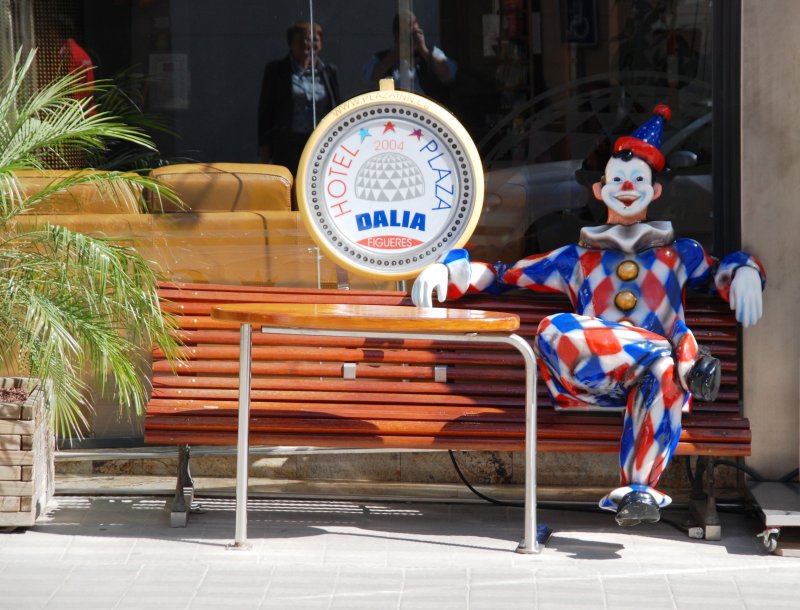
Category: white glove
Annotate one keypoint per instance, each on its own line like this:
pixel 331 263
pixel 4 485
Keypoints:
pixel 432 278
pixel 745 296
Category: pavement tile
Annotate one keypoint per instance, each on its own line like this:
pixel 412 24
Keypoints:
pixel 159 600
pixel 570 593
pixel 224 603
pixel 368 588
pixel 507 588
pixel 365 600
pixel 435 588
pixel 307 585
pixel 707 591
pixel 348 554
pixel 302 557
pixel 37 552
pixel 450 598
pixel 296 602
pixel 583 546
pixel 103 551
pixel 155 551
pixel 418 553
pixel 226 554
pixel 764 589
pixel 226 587
pixel 87 599
pixel 28 584
pixel 23 601
pixel 163 586
pixel 632 590
pixel 382 579
pixel 354 547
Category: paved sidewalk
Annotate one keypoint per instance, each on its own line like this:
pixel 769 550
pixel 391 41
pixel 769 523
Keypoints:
pixel 119 552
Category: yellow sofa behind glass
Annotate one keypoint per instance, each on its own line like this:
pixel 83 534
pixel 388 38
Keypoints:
pixel 237 226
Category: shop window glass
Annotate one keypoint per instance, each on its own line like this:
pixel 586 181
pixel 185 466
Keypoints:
pixel 559 84
pixel 544 88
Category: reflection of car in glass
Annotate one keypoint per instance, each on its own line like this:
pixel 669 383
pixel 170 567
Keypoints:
pixel 515 198
pixel 543 204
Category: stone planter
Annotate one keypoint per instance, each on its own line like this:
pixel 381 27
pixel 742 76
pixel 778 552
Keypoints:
pixel 27 444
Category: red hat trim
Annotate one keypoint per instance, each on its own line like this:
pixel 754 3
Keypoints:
pixel 647 152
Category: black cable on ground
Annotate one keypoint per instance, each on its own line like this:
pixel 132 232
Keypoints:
pixel 755 475
pixel 743 467
pixel 723 507
pixel 689 473
pixel 475 491
pixel 584 509
pixel 737 508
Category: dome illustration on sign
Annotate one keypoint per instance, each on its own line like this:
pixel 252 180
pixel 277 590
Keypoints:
pixel 389 177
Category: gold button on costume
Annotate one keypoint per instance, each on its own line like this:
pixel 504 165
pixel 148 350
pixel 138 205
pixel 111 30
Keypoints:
pixel 625 300
pixel 627 271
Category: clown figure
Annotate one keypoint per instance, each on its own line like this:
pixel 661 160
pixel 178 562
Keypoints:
pixel 627 346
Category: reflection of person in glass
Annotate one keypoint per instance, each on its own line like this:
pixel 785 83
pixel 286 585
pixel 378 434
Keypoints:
pixel 430 68
pixel 74 56
pixel 627 347
pixel 295 95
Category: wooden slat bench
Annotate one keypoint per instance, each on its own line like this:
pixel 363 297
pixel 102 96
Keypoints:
pixel 312 391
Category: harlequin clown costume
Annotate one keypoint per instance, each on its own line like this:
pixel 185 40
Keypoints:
pixel 627 346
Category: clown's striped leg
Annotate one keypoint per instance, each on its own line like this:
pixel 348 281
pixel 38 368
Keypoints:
pixel 650 434
pixel 594 364
pixel 652 424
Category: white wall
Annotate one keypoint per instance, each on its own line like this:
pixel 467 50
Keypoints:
pixel 771 226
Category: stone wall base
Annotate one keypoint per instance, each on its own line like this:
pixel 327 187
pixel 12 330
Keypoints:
pixel 559 470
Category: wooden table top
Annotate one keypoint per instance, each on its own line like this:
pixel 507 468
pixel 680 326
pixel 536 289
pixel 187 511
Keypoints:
pixel 385 318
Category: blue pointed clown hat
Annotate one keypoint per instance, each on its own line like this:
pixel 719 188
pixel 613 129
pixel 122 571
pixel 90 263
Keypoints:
pixel 645 141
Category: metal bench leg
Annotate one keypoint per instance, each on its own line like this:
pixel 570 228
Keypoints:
pixel 703 503
pixel 184 490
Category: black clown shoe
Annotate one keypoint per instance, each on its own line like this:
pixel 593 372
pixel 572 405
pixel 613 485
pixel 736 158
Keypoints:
pixel 704 377
pixel 637 507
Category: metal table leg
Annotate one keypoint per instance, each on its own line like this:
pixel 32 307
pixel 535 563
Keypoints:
pixel 530 542
pixel 243 441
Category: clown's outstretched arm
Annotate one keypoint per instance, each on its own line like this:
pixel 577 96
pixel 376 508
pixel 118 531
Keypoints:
pixel 739 279
pixel 456 275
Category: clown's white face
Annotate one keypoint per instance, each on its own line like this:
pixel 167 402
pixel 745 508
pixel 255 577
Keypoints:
pixel 628 190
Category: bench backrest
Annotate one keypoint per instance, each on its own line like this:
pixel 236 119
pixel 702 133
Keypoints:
pixel 356 391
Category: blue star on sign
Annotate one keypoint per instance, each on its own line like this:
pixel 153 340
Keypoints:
pixel 363 133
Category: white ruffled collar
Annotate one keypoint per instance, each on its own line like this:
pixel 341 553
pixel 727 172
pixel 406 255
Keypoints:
pixel 628 238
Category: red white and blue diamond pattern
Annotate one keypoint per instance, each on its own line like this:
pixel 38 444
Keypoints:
pixel 622 347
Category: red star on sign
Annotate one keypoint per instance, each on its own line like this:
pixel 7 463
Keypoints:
pixel 388 126
pixel 417 133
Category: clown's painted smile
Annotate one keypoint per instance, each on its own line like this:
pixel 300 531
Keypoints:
pixel 627 197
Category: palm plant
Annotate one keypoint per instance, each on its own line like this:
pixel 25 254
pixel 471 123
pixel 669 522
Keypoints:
pixel 70 303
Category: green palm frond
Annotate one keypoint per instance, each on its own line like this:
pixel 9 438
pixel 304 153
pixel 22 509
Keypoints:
pixel 71 303
pixel 121 187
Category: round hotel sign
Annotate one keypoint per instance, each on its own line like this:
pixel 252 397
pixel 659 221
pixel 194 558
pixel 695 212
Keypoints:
pixel 389 181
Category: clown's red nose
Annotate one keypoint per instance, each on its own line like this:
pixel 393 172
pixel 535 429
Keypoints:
pixel 627 185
